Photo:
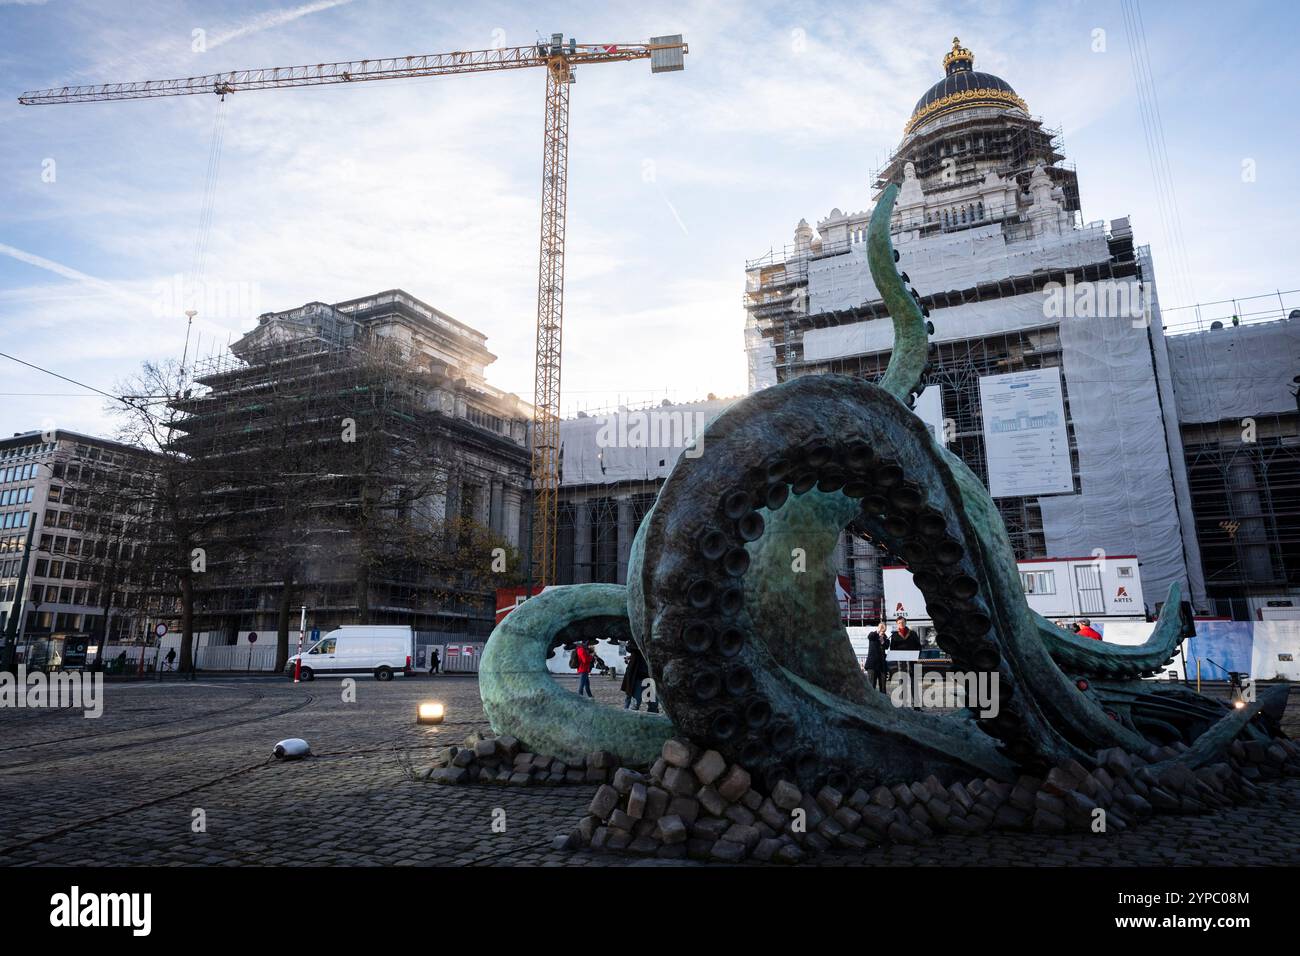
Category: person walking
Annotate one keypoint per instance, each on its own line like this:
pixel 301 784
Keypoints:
pixel 435 663
pixel 1086 630
pixel 634 677
pixel 876 666
pixel 586 659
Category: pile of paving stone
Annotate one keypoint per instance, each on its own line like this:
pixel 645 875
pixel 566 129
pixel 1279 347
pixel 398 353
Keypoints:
pixel 503 761
pixel 693 804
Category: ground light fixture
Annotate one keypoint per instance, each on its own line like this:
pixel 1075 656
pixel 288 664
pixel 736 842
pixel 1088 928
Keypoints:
pixel 430 712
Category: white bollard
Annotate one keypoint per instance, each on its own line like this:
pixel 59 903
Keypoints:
pixel 294 748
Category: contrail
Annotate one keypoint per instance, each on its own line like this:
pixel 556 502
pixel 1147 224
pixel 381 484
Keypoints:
pixel 49 265
pixel 273 18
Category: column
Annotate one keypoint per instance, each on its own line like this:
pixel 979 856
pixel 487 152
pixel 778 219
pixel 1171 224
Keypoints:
pixel 512 498
pixel 495 518
pixel 582 543
pixel 626 531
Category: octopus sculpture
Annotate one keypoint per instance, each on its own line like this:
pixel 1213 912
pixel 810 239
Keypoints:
pixel 730 597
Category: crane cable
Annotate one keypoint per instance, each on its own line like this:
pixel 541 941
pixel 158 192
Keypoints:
pixel 198 264
pixel 1167 206
pixel 203 234
pixel 1175 208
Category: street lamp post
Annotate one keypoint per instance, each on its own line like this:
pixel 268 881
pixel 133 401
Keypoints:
pixel 302 634
pixel 189 323
pixel 26 635
pixel 144 643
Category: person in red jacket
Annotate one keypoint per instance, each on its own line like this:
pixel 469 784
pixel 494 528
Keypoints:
pixel 586 660
pixel 1085 629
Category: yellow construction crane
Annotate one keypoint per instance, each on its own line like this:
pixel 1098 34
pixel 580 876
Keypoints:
pixel 666 54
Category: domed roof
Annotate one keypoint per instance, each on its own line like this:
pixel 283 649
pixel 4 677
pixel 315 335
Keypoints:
pixel 962 88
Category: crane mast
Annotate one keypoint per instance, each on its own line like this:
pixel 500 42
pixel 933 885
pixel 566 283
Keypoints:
pixel 550 316
pixel 559 57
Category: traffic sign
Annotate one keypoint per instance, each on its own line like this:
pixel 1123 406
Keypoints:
pixel 252 637
pixel 161 630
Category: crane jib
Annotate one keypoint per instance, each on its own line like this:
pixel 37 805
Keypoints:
pixel 666 55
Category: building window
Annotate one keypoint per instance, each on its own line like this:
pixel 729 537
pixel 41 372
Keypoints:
pixel 1038 582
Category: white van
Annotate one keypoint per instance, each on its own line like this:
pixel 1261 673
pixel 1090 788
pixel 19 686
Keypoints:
pixel 360 649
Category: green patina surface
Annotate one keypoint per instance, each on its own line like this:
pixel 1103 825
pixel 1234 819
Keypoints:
pixel 731 597
pixel 523 700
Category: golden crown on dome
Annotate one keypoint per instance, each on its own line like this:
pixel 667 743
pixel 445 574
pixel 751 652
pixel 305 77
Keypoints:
pixel 958 52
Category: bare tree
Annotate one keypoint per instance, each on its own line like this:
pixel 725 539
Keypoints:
pixel 175 513
pixel 271 460
pixel 117 556
pixel 324 471
pixel 397 462
pixel 459 557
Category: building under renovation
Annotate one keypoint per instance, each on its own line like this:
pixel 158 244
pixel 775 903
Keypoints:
pixel 1051 378
pixel 611 468
pixel 1101 426
pixel 1235 368
pixel 362 467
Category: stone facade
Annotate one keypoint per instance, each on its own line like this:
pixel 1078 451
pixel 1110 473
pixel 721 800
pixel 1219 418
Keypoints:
pixel 988 229
pixel 433 392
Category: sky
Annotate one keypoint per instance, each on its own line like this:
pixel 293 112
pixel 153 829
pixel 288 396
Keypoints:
pixel 432 185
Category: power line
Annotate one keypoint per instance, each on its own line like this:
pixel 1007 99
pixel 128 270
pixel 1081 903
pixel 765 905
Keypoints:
pixel 70 381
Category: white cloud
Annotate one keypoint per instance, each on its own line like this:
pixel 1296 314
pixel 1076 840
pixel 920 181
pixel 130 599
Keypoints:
pixel 432 185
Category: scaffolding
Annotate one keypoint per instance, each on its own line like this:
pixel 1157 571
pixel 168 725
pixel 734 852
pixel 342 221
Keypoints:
pixel 1237 364
pixel 966 150
pixel 596 527
pixel 349 480
pixel 776 301
pixel 956 368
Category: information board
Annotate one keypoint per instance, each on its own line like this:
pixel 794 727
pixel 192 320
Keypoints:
pixel 1025 438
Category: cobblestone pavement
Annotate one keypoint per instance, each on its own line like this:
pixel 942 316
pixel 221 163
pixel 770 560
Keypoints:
pixel 128 787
